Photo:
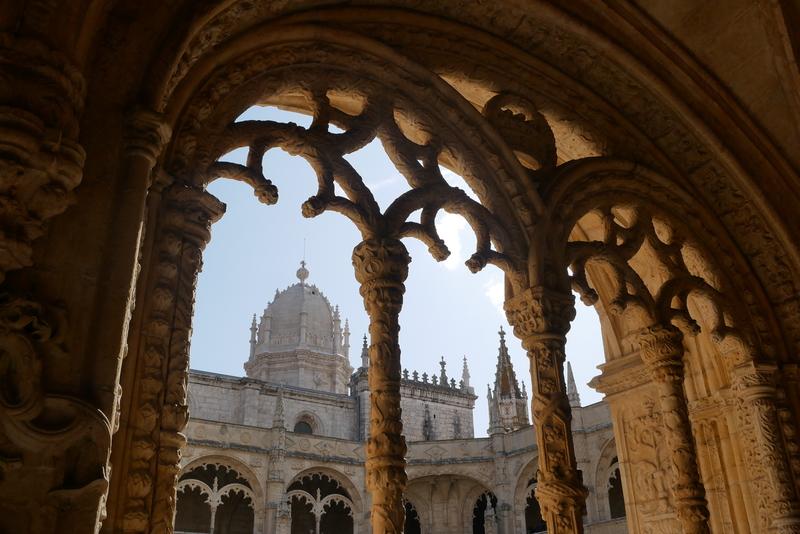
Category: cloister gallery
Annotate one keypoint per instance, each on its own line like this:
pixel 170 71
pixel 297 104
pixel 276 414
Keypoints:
pixel 643 153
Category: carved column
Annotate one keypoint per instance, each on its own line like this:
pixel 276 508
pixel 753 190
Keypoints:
pixel 381 267
pixel 41 100
pixel 159 410
pixel 541 319
pixel 662 351
pixel 756 383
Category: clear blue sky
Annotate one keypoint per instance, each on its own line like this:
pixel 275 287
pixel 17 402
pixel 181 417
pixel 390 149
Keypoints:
pixel 448 311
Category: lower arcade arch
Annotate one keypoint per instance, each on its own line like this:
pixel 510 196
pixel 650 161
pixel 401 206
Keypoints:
pixel 320 503
pixel 215 498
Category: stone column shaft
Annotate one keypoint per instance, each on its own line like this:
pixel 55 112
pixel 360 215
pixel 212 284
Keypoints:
pixel 541 319
pixel 757 385
pixel 662 351
pixel 381 267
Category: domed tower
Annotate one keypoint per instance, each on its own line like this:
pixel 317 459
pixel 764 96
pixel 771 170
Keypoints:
pixel 300 341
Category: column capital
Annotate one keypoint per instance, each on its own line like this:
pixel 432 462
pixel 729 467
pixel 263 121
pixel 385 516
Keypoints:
pixel 540 310
pixel 754 380
pixel 146 132
pixel 661 349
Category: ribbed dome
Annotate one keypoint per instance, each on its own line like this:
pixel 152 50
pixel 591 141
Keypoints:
pixel 300 315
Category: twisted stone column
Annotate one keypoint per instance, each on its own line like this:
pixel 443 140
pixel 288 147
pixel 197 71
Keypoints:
pixel 756 384
pixel 541 319
pixel 661 349
pixel 381 267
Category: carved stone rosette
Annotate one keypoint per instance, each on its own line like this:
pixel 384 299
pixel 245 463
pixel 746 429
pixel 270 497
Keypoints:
pixel 756 383
pixel 381 267
pixel 662 351
pixel 161 410
pixel 541 319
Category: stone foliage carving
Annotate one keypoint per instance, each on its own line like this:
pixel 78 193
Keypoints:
pixel 60 439
pixel 41 101
pixel 541 318
pixel 161 409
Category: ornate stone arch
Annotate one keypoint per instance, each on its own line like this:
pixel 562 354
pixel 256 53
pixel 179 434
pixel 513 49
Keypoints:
pixel 341 478
pixel 232 462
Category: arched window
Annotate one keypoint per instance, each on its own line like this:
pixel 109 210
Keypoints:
pixel 302 427
pixel 616 500
pixel 412 520
pixel 533 514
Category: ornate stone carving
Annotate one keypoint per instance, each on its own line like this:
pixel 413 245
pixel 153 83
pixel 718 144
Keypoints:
pixel 41 100
pixel 381 267
pixel 662 351
pixel 541 318
pixel 60 440
pixel 161 409
pixel 757 385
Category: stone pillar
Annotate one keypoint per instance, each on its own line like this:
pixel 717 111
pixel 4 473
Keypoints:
pixel 541 319
pixel 756 384
pixel 661 349
pixel 148 460
pixel 381 267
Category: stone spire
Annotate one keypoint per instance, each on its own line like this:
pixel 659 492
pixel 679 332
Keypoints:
pixel 505 379
pixel 495 426
pixel 443 375
pixel 365 354
pixel 510 402
pixel 253 330
pixel 465 378
pixel 572 389
pixel 279 420
pixel 346 344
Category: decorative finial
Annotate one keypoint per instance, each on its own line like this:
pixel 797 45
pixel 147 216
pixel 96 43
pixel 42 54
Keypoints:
pixel 302 272
pixel 502 335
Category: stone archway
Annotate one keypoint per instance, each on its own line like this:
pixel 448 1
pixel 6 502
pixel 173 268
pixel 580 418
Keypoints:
pixel 753 239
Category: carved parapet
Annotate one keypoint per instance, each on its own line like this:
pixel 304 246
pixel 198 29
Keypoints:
pixel 661 349
pixel 541 319
pixel 381 267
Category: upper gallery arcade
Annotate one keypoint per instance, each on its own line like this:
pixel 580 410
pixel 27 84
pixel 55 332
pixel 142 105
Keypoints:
pixel 641 153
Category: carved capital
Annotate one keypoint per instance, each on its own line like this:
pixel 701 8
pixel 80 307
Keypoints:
pixel 661 349
pixel 190 212
pixel 145 135
pixel 755 380
pixel 539 310
pixel 38 171
pixel 563 504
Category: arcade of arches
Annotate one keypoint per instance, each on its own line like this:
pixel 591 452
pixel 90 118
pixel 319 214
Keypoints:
pixel 644 153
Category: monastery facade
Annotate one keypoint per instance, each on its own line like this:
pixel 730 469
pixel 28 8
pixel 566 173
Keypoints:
pixel 259 447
